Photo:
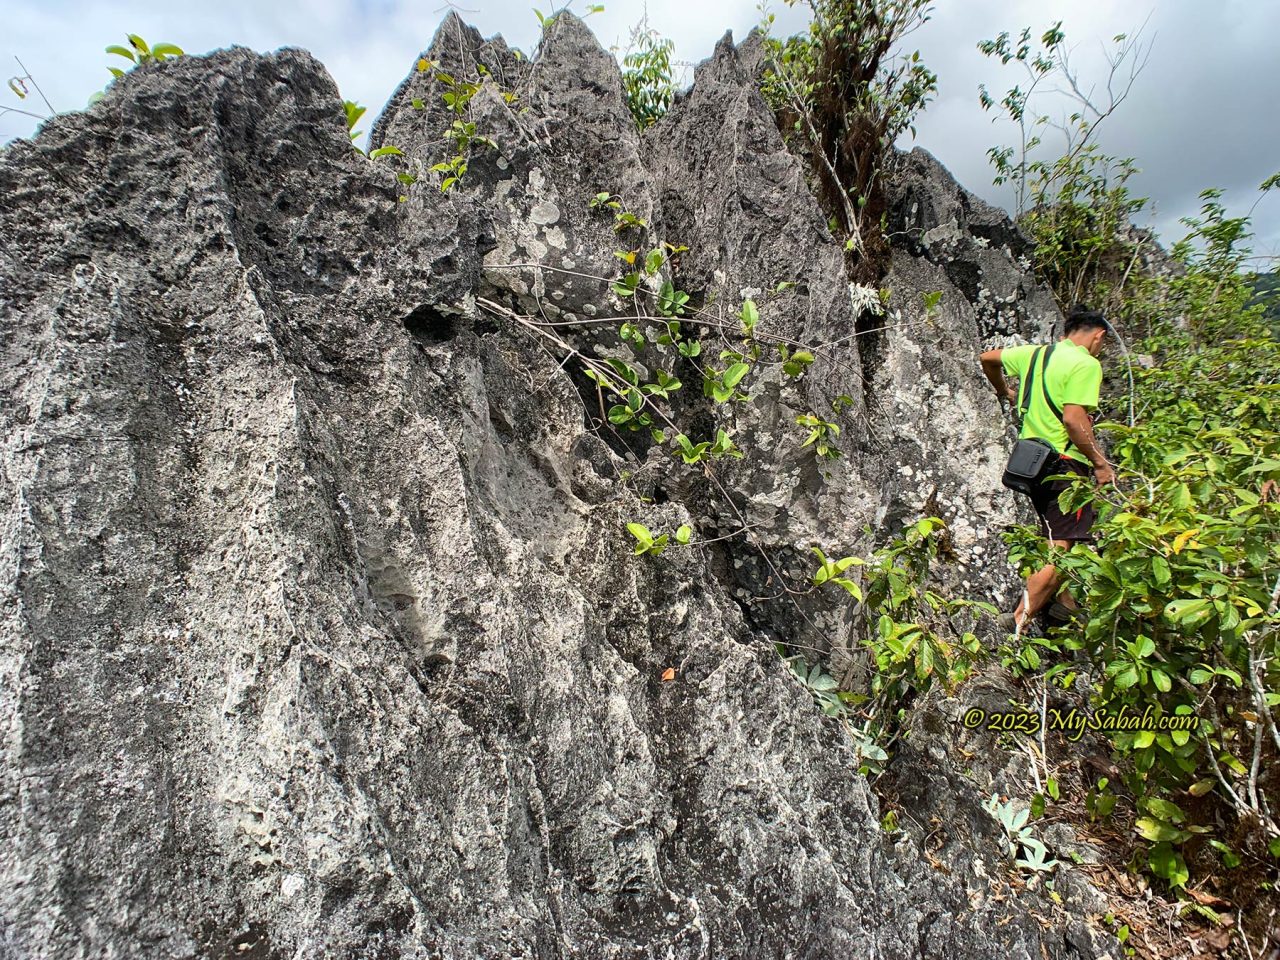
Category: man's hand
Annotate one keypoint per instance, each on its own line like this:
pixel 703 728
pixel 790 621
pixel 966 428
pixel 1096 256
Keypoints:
pixel 995 373
pixel 1080 429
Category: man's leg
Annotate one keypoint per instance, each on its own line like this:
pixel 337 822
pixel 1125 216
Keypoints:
pixel 1066 599
pixel 1041 588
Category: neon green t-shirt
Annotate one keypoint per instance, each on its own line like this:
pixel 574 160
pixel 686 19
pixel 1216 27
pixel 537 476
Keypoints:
pixel 1073 376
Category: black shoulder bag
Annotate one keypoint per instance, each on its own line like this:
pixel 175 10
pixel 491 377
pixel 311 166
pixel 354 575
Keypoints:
pixel 1032 459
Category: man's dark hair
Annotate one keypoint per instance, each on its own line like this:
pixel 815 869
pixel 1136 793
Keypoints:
pixel 1082 318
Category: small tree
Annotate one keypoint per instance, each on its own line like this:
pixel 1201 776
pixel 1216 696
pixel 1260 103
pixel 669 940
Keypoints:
pixel 843 97
pixel 646 75
pixel 1077 207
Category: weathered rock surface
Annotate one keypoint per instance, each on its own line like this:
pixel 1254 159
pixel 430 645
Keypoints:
pixel 320 633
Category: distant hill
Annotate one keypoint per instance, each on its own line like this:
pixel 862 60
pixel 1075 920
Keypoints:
pixel 1267 287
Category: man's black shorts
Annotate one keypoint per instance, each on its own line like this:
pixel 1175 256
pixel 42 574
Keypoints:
pixel 1076 525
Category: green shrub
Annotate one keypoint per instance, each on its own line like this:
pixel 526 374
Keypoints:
pixel 843 96
pixel 1184 582
pixel 646 77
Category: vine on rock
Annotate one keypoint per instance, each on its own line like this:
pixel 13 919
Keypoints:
pixel 907 629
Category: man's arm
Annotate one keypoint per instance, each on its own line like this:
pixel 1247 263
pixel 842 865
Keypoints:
pixel 1080 429
pixel 994 369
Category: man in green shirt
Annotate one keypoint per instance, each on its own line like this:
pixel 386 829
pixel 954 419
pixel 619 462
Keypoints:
pixel 1071 378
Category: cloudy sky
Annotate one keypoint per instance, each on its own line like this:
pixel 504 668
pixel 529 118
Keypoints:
pixel 1197 116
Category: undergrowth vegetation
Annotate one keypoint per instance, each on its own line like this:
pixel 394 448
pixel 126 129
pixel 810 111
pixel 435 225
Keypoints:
pixel 1183 585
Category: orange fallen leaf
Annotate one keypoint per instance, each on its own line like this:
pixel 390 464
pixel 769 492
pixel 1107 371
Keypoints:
pixel 669 673
pixel 1205 898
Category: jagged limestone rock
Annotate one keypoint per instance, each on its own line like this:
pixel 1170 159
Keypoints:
pixel 321 635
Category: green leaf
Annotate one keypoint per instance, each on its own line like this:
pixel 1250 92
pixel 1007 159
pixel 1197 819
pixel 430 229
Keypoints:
pixel 1164 809
pixel 683 534
pixel 1201 787
pixel 161 50
pixel 1126 677
pixel 1167 863
pixel 640 532
pixel 1230 859
pixel 733 376
pixel 624 370
pixel 1189 612
pixel 924 526
pixel 122 52
pixel 387 151
pixel 849 587
pixel 1231 675
pixel 1266 466
pixel 1158 830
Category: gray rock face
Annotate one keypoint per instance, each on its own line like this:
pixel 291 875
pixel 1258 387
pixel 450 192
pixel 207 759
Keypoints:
pixel 321 636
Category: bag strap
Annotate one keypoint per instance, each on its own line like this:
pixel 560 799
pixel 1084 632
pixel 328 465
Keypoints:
pixel 1039 359
pixel 1044 391
pixel 1024 398
pixel 1044 382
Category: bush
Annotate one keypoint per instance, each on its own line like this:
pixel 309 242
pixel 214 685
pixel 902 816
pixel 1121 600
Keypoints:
pixel 1184 584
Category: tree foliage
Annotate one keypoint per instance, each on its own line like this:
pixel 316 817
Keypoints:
pixel 646 76
pixel 1075 204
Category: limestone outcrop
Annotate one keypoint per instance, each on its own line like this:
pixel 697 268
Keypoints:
pixel 321 634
